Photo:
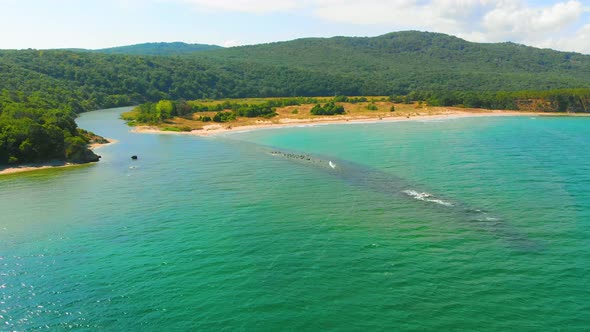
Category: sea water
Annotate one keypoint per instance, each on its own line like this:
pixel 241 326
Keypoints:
pixel 222 233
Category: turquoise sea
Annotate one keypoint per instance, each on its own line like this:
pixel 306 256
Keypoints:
pixel 478 224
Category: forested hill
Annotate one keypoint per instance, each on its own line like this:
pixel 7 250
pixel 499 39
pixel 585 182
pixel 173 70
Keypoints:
pixel 396 63
pixel 175 48
pixel 411 60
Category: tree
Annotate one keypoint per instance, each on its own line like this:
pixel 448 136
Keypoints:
pixel 328 109
pixel 317 110
pixel 164 109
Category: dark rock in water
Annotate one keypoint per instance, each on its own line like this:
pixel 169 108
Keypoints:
pixel 134 157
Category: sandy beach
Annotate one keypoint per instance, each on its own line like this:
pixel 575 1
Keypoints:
pixel 224 128
pixel 96 146
pixel 50 164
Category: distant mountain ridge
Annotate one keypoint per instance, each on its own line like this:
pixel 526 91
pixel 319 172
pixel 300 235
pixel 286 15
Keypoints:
pixel 394 63
pixel 175 48
pixel 158 48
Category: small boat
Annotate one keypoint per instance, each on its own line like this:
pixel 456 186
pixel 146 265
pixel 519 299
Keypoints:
pixel 332 164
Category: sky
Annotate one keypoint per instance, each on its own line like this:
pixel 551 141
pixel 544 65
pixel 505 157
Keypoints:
pixel 41 24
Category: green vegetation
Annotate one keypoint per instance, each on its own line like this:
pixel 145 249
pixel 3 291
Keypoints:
pixel 155 113
pixel 352 100
pixel 37 86
pixel 259 108
pixel 328 109
pixel 224 117
pixel 176 129
pixel 38 134
pixel 564 100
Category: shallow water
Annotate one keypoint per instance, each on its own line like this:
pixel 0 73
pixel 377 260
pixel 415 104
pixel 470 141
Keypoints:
pixel 219 233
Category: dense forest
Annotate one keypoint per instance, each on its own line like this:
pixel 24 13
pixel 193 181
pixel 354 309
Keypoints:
pixel 402 62
pixel 31 131
pixel 44 88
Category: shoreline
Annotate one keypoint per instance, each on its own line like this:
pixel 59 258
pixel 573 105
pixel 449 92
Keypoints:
pixel 219 129
pixel 51 164
pixel 95 146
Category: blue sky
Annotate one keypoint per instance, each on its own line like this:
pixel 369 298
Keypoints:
pixel 562 24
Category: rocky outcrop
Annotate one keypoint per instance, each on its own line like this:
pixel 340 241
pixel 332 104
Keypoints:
pixel 84 156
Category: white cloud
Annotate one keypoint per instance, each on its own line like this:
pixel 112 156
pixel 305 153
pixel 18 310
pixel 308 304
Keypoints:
pixel 512 21
pixel 578 41
pixel 448 16
pixel 552 25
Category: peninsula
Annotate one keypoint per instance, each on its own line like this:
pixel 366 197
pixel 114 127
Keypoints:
pixel 87 156
pixel 211 117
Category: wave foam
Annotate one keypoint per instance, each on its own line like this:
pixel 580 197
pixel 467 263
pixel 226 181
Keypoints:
pixel 426 197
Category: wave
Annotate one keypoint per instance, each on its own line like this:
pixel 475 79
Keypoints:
pixel 426 197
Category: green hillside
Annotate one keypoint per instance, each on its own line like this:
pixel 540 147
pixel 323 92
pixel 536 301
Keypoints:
pixel 408 61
